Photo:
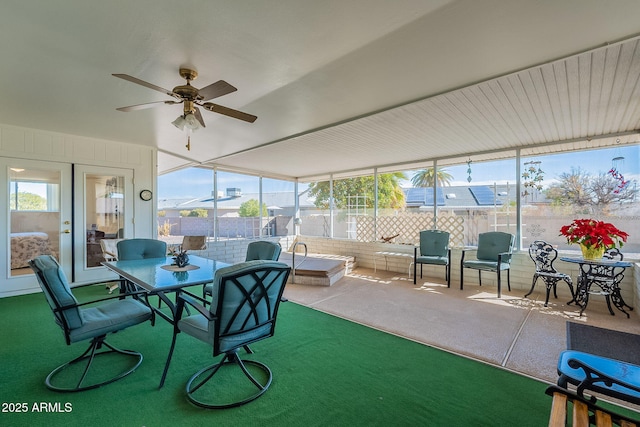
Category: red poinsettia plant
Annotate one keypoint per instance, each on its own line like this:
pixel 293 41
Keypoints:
pixel 593 234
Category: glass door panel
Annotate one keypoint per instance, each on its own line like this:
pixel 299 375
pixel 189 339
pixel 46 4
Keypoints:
pixel 37 217
pixel 105 208
pixel 104 213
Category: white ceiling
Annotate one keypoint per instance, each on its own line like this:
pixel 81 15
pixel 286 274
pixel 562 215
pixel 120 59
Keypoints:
pixel 338 86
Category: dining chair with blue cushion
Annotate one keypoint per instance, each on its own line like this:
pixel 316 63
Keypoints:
pixel 493 253
pixel 258 250
pixel 263 249
pixel 92 320
pixel 136 249
pixel 244 311
pixel 434 250
pixel 131 249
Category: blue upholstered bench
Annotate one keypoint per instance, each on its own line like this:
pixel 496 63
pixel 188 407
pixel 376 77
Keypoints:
pixel 609 377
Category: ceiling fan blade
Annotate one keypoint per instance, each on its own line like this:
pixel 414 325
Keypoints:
pixel 229 112
pixel 143 83
pixel 196 112
pixel 144 106
pixel 216 89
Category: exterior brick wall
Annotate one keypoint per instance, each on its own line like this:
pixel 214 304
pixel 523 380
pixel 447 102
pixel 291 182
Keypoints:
pixel 522 268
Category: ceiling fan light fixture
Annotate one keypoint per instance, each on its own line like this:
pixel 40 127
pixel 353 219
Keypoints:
pixel 187 122
pixel 179 122
pixel 191 122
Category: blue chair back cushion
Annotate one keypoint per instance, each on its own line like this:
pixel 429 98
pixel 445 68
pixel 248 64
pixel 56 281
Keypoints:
pixel 493 243
pixel 245 309
pixel 264 250
pixel 57 291
pixel 434 247
pixel 131 249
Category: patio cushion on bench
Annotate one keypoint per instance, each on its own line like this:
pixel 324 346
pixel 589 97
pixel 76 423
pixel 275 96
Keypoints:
pixel 599 374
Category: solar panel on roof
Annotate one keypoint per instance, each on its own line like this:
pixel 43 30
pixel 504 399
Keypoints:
pixel 415 195
pixel 484 196
pixel 423 196
pixel 439 197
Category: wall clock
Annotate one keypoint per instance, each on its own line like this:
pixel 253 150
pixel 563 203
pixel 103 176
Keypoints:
pixel 146 195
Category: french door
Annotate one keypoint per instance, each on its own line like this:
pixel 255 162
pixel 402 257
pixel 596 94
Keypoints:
pixel 62 210
pixel 36 219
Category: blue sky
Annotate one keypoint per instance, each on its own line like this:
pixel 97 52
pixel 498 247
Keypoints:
pixel 194 182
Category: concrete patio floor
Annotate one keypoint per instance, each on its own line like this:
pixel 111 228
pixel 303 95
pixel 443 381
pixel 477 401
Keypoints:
pixel 513 332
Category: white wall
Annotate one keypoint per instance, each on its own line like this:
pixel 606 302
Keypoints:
pixel 43 145
pixel 65 150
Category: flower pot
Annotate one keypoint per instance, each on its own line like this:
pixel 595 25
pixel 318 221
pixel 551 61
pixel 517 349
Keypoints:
pixel 593 253
pixel 181 259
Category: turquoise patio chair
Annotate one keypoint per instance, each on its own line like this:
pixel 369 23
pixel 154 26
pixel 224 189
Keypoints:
pixel 263 249
pixel 433 249
pixel 244 311
pixel 86 321
pixel 258 250
pixel 130 249
pixel 492 254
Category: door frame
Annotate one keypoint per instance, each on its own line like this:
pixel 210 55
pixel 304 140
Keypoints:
pixel 26 283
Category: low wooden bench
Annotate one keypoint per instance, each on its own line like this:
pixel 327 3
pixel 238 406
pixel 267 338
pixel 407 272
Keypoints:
pixel 585 412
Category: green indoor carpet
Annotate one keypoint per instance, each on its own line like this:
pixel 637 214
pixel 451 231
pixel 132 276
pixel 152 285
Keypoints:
pixel 327 371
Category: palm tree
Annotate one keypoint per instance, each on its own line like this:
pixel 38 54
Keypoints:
pixel 425 177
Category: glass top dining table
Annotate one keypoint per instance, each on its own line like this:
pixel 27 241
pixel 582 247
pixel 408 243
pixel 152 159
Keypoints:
pixel 160 275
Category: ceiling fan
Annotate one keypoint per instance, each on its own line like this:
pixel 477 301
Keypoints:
pixel 190 97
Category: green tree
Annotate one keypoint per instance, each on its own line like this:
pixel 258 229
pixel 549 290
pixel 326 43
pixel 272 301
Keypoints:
pixel 28 202
pixel 425 177
pixel 588 194
pixel 200 213
pixel 390 194
pixel 250 209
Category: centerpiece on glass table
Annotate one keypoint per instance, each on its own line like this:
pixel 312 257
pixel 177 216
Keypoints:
pixel 594 237
pixel 180 257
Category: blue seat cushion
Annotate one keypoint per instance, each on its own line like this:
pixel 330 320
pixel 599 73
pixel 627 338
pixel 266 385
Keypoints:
pixel 110 317
pixel 438 260
pixel 201 328
pixel 485 265
pixel 616 369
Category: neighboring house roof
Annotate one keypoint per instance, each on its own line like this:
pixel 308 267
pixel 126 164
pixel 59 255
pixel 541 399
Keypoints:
pixel 280 199
pixel 465 196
